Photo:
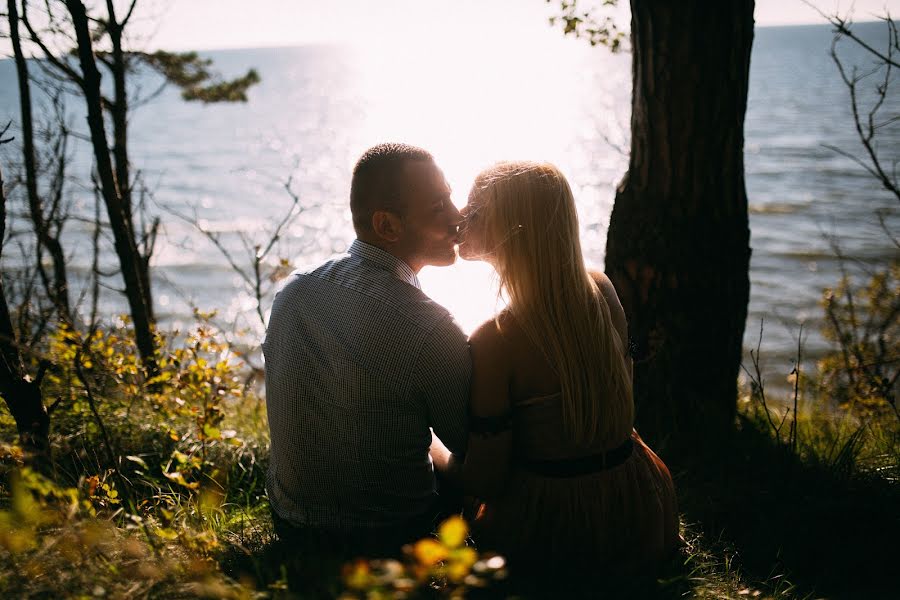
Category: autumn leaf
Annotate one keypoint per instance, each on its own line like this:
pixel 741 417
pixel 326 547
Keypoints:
pixel 92 482
pixel 453 532
pixel 429 551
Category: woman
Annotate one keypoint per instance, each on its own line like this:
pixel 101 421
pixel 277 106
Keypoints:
pixel 564 480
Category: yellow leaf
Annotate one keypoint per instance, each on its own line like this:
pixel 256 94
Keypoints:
pixel 357 575
pixel 429 552
pixel 457 572
pixel 453 532
pixel 466 556
pixel 178 478
pixel 211 432
pixel 167 533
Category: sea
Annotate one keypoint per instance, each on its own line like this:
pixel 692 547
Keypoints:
pixel 237 170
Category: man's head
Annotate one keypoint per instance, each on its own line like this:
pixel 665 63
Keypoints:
pixel 401 203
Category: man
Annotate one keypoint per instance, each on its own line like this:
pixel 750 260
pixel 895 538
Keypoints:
pixel 360 363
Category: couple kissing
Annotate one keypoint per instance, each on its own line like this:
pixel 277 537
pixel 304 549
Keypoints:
pixel 384 417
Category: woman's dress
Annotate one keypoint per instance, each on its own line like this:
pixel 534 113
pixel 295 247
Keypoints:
pixel 565 508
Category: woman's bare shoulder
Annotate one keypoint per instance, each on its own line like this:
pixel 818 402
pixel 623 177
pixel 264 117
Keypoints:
pixel 602 279
pixel 491 332
pixel 612 300
pixel 606 286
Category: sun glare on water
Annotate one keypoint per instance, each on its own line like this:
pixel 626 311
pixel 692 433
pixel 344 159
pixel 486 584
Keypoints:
pixel 476 101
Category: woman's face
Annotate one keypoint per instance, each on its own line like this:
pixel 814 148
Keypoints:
pixel 472 234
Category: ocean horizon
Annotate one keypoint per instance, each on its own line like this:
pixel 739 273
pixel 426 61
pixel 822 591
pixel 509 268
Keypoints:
pixel 319 106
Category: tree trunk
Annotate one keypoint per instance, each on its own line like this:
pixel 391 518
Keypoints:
pixel 22 396
pixel 59 290
pixel 678 245
pixel 123 234
pixel 119 111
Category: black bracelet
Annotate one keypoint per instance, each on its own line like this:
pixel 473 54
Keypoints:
pixel 490 425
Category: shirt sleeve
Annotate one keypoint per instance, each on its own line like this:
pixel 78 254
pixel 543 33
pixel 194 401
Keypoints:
pixel 442 377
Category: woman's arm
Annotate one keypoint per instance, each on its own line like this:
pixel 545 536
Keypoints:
pixel 490 425
pixel 483 471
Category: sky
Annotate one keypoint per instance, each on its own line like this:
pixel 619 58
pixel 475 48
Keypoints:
pixel 288 22
pixel 212 24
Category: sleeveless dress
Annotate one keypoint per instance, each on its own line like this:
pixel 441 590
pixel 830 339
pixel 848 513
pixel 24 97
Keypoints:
pixel 579 513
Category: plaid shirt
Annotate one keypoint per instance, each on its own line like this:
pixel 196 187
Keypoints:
pixel 359 364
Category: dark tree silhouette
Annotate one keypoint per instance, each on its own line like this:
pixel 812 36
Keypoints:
pixel 678 244
pixel 132 264
pixel 22 394
pixel 678 247
pixel 47 235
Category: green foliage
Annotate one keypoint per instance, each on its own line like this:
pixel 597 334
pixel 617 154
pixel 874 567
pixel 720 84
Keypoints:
pixel 844 417
pixel 234 90
pixel 588 24
pixel 192 74
pixel 864 323
pixel 53 543
pixel 178 473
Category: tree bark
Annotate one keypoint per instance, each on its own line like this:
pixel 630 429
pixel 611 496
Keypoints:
pixel 678 244
pixel 59 291
pixel 130 259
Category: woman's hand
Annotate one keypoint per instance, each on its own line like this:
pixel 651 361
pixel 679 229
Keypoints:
pixel 440 454
pixel 446 464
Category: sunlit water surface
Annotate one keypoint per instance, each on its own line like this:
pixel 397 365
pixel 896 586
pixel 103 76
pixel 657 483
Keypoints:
pixel 472 104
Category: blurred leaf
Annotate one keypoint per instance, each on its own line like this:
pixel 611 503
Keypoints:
pixel 211 432
pixel 429 551
pixel 453 532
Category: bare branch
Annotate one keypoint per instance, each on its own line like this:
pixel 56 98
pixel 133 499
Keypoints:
pixel 49 54
pixel 886 229
pixel 866 135
pixel 842 27
pixel 128 14
pixel 758 384
pixel 3 132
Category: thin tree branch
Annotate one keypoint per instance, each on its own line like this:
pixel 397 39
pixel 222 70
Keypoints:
pixel 842 26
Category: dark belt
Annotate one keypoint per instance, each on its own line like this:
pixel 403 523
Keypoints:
pixel 583 465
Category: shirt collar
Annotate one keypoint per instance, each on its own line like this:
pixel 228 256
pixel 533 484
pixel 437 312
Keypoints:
pixel 386 261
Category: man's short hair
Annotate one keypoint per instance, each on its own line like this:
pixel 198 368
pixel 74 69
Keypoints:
pixel 377 182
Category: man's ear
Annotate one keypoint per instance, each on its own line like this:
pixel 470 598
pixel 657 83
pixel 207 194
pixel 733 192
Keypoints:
pixel 387 225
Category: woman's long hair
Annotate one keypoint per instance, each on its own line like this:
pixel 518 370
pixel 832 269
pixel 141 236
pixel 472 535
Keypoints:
pixel 531 227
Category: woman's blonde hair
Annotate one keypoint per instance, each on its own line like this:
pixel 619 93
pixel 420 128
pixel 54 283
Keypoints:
pixel 531 229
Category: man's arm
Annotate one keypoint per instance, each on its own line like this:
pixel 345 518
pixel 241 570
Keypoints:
pixel 442 375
